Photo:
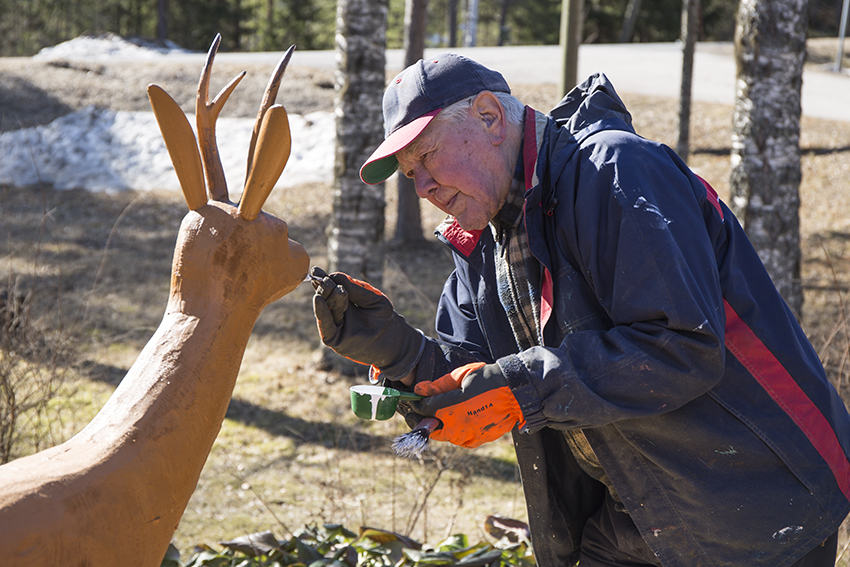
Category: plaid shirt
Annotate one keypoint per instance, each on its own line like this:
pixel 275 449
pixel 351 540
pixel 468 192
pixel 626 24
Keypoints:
pixel 519 276
pixel 517 270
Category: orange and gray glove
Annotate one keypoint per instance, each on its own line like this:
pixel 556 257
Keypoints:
pixel 358 322
pixel 473 402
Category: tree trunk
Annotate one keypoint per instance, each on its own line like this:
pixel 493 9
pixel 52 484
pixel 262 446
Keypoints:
pixel 408 229
pixel 629 19
pixel 571 27
pixel 162 20
pixel 842 30
pixel 237 25
pixel 770 48
pixel 357 226
pixel 504 30
pixel 690 11
pixel 451 22
pixel 415 28
pixel 470 35
pixel 270 40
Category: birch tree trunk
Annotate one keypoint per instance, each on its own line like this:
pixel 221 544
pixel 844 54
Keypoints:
pixel 770 48
pixel 356 234
pixel 470 35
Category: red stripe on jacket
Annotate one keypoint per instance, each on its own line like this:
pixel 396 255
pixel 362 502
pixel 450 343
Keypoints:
pixel 711 195
pixel 778 383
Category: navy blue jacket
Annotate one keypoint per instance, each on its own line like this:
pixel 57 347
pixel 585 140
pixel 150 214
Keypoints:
pixel 665 341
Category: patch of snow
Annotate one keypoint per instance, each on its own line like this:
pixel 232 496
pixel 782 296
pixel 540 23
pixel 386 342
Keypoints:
pixel 107 46
pixel 104 150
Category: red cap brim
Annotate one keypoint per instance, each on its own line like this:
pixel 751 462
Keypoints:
pixel 382 163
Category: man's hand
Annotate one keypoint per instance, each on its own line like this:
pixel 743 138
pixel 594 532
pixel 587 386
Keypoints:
pixel 474 403
pixel 358 322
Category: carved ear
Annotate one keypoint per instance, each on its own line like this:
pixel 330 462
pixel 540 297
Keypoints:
pixel 181 144
pixel 274 143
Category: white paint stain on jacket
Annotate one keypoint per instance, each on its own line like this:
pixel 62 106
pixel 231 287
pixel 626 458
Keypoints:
pixel 661 220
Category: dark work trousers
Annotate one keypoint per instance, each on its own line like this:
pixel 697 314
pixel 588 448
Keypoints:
pixel 610 539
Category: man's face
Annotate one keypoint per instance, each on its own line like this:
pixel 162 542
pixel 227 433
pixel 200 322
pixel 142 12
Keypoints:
pixel 458 168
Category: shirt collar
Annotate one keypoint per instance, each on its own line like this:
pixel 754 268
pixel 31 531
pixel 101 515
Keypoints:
pixel 510 215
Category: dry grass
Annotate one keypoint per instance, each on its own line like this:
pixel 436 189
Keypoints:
pixel 290 452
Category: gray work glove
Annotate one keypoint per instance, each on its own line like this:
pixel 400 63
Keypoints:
pixel 358 322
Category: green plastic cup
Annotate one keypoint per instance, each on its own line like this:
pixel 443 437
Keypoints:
pixel 377 402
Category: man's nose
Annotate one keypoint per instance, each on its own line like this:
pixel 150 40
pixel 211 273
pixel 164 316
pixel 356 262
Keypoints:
pixel 425 184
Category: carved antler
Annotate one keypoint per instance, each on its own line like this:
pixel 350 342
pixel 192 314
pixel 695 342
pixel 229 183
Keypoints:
pixel 268 153
pixel 269 97
pixel 206 114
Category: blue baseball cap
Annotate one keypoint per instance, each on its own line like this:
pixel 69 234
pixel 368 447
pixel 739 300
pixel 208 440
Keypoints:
pixel 416 96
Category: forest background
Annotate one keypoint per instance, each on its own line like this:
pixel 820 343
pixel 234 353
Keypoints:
pixel 272 25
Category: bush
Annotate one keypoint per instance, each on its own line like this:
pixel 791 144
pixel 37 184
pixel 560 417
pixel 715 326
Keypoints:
pixel 335 546
pixel 34 363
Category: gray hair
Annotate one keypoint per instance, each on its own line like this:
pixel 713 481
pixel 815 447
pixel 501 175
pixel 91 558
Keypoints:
pixel 455 112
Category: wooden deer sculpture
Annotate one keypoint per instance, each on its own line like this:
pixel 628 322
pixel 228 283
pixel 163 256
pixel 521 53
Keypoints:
pixel 114 493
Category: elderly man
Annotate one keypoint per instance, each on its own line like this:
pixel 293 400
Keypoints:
pixel 609 311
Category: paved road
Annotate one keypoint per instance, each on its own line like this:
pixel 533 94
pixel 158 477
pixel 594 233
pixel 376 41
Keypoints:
pixel 642 68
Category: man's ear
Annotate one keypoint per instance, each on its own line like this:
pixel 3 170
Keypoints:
pixel 488 108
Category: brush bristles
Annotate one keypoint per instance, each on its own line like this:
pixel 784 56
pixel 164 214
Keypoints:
pixel 411 444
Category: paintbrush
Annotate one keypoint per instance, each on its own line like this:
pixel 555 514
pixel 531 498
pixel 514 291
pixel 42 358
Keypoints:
pixel 414 442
